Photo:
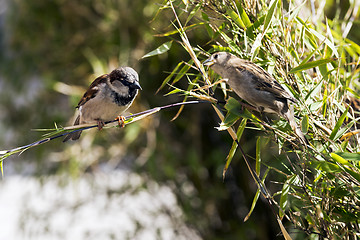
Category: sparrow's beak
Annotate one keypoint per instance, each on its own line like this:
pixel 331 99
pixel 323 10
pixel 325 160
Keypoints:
pixel 136 85
pixel 208 62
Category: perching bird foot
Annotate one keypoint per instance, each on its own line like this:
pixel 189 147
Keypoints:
pixel 100 124
pixel 121 121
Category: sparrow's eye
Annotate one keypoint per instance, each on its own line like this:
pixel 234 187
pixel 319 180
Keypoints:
pixel 216 56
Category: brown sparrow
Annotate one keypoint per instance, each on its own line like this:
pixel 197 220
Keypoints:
pixel 256 86
pixel 107 97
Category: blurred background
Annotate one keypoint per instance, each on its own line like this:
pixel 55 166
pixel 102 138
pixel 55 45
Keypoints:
pixel 154 179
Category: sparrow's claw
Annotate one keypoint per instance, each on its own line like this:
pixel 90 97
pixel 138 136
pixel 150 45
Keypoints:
pixel 121 121
pixel 100 124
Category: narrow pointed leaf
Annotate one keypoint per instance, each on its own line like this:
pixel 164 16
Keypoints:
pixel 284 194
pixel 270 14
pixel 160 50
pixel 339 159
pixel 312 64
pixel 305 124
pixel 2 168
pixel 234 146
pixel 237 20
pixel 256 198
pixel 338 124
pixel 326 40
pixel 349 156
pixel 168 78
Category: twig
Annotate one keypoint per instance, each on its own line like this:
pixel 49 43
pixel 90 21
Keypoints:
pixel 133 118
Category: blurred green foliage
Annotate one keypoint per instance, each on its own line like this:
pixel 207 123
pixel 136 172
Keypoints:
pixel 71 42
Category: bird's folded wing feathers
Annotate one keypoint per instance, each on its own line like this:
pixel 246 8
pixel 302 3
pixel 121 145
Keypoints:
pixel 263 81
pixel 93 89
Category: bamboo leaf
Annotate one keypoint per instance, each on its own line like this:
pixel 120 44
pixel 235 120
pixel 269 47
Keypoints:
pixel 326 40
pixel 174 91
pixel 237 20
pixel 305 124
pixel 183 71
pixel 283 230
pixel 284 194
pixel 338 124
pixel 327 167
pixel 234 146
pixel 168 78
pixel 270 15
pixel 253 204
pixel 176 31
pixel 312 64
pixel 258 156
pixel 2 168
pixel 353 173
pixel 192 13
pixel 229 120
pixel 296 11
pixel 160 50
pixel 245 18
pixel 349 156
pixel 233 46
pixel 256 198
pixel 339 159
pixel 233 105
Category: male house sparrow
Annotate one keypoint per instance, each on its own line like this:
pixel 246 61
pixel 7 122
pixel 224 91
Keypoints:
pixel 107 97
pixel 253 84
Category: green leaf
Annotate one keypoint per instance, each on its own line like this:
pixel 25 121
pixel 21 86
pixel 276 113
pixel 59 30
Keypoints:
pixel 233 105
pixel 168 78
pixel 256 45
pixel 349 156
pixel 326 40
pixel 270 14
pixel 245 18
pixel 256 197
pixel 229 120
pixel 339 159
pixel 176 31
pixel 312 64
pixel 284 194
pixel 183 71
pixel 295 12
pixel 353 173
pixel 258 156
pixel 234 146
pixel 233 46
pixel 305 124
pixel 338 124
pixel 160 50
pixel 233 15
pixel 2 168
pixel 174 91
pixel 327 167
pixel 314 92
pixel 192 13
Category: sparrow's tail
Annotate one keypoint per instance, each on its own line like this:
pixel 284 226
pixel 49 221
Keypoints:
pixel 76 135
pixel 289 115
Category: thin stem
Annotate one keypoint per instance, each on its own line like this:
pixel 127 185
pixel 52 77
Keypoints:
pixel 135 117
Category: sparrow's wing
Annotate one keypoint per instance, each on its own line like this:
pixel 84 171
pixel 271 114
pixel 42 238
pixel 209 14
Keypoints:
pixel 263 81
pixel 93 89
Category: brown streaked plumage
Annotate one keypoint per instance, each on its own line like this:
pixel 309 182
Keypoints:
pixel 256 86
pixel 107 97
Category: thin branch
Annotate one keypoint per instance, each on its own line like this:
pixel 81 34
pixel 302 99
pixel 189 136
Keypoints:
pixel 130 118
